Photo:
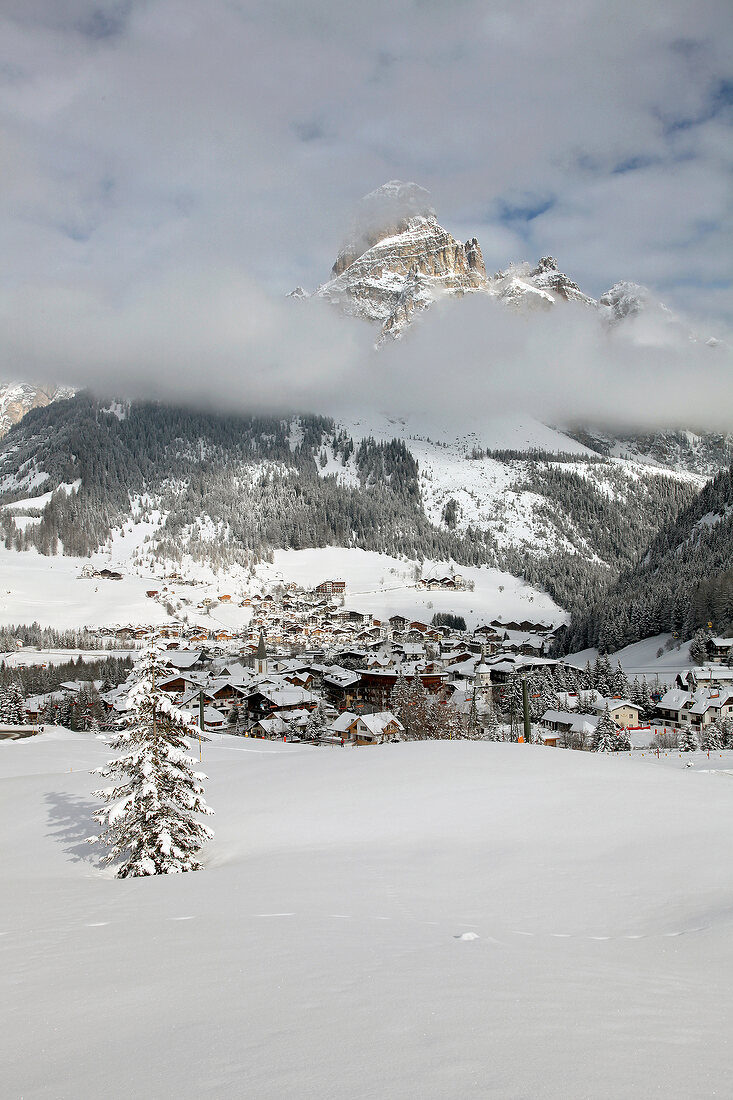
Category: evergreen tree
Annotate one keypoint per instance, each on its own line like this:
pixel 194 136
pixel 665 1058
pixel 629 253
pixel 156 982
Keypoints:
pixel 12 706
pixel 472 722
pixel 315 724
pixel 699 647
pixel 398 696
pixel 619 682
pixel 150 828
pixel 712 736
pixel 623 740
pixel 491 726
pixel 687 740
pixel 635 695
pixel 605 735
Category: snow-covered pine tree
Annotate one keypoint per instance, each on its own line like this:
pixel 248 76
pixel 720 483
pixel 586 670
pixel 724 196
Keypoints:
pixel 623 740
pixel 472 723
pixel 150 827
pixel 726 726
pixel 619 682
pixel 605 736
pixel 712 736
pixel 398 695
pixel 13 708
pixel 635 694
pixel 314 725
pixel 686 740
pixel 699 646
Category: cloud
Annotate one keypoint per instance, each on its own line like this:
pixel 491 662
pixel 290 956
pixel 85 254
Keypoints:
pixel 562 365
pixel 216 340
pixel 173 168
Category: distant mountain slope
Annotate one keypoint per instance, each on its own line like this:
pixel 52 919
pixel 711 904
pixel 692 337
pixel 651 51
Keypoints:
pixel 682 583
pixel 233 489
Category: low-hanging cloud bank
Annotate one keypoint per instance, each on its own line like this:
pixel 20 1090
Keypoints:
pixel 217 340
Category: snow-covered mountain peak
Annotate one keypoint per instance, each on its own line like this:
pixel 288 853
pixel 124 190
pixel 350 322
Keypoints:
pixel 395 200
pixel 544 284
pixel 625 299
pixel 390 210
pixel 400 259
pixel 651 321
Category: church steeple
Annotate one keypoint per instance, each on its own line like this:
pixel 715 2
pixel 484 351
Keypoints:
pixel 482 683
pixel 261 655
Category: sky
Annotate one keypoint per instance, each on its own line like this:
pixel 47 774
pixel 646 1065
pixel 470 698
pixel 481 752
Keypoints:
pixel 170 169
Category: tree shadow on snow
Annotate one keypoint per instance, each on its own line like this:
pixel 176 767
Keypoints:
pixel 71 822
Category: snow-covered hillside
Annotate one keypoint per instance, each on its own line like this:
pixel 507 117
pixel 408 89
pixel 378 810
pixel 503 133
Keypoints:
pixel 478 470
pixel 510 493
pixel 424 921
pixel 385 586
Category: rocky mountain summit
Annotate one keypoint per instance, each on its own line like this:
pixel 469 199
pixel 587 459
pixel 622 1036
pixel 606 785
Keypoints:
pixel 398 260
pixel 18 398
pixel 523 285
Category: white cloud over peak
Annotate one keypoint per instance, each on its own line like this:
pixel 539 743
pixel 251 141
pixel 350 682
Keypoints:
pixel 170 168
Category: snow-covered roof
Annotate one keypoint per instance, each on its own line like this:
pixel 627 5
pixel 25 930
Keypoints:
pixel 675 699
pixel 578 723
pixel 182 658
pixel 612 703
pixel 376 723
pixel 341 677
pixel 343 722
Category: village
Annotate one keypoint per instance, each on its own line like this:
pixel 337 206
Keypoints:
pixel 307 668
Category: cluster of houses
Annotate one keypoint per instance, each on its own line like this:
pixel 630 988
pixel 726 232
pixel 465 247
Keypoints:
pixel 446 582
pixel 700 698
pixel 304 652
pixel 306 664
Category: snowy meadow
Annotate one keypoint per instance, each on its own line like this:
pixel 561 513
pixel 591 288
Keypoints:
pixel 434 919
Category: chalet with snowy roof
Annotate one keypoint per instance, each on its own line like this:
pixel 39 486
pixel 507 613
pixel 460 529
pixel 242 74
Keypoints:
pixel 720 650
pixel 623 711
pixel 695 709
pixel 214 719
pixel 341 686
pixel 187 659
pixel 264 701
pixel 570 722
pixel 367 729
pixel 710 705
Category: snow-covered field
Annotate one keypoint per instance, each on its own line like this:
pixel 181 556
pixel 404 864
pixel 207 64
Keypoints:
pixel 444 920
pixel 48 590
pixel 386 586
pixel 30 655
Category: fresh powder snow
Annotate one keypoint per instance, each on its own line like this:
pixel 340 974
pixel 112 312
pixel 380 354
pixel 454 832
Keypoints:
pixel 425 920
